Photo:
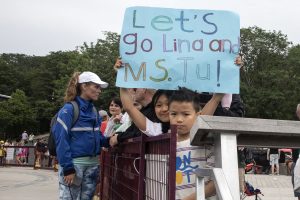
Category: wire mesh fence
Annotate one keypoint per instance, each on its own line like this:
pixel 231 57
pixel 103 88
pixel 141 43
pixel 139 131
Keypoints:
pixel 141 168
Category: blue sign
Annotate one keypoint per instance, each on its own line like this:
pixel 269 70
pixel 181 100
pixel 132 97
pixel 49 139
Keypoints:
pixel 163 48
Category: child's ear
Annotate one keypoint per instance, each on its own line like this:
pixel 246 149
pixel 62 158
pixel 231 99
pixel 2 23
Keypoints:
pixel 199 113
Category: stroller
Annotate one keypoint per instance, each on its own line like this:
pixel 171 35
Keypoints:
pixel 252 167
pixel 250 191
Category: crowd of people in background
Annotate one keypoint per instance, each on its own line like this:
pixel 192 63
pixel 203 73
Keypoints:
pixel 18 154
pixel 26 150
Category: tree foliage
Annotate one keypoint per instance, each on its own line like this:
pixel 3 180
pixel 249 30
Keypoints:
pixel 44 79
pixel 268 78
pixel 16 114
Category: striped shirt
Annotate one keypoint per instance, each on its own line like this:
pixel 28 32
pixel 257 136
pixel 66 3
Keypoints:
pixel 188 159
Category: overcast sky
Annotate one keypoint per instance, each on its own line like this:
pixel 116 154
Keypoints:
pixel 36 27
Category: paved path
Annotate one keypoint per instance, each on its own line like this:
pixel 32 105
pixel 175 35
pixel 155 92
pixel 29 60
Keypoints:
pixel 20 183
pixel 273 187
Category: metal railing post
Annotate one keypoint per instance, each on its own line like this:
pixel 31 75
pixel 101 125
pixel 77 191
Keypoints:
pixel 142 167
pixel 226 159
pixel 172 164
pixel 200 188
pixel 229 132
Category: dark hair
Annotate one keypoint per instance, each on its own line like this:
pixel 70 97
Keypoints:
pixel 117 101
pixel 186 95
pixel 151 115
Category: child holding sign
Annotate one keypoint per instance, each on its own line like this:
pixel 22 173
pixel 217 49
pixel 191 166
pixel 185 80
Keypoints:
pixel 155 121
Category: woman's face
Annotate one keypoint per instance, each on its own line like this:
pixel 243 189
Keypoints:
pixel 114 109
pixel 162 108
pixel 90 91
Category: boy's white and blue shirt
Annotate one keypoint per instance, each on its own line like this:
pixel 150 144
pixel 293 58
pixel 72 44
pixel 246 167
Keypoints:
pixel 83 139
pixel 188 159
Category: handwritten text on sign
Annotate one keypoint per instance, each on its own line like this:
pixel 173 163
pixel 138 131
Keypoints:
pixel 164 48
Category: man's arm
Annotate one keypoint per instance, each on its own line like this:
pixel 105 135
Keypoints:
pixel 212 104
pixel 137 117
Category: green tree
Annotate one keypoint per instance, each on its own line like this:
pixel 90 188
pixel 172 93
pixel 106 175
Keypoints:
pixel 16 115
pixel 266 77
pixel 293 93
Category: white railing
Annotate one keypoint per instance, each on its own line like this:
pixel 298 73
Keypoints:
pixel 229 132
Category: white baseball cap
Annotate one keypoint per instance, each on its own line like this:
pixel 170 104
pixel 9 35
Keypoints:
pixel 86 77
pixel 103 113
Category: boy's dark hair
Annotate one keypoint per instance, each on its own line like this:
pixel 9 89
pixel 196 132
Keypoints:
pixel 185 95
pixel 117 101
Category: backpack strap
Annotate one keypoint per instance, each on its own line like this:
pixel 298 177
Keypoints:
pixel 96 113
pixel 75 112
pixel 53 121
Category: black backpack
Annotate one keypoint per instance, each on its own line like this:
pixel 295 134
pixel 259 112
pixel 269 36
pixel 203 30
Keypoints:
pixel 51 139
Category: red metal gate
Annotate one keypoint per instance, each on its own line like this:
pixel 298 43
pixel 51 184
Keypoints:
pixel 140 168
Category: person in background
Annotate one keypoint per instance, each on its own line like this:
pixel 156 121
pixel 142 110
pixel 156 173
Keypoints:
pixel 115 109
pixel 126 119
pixel 2 153
pixel 19 153
pixel 9 152
pixel 24 136
pixel 30 139
pixel 273 157
pixel 26 151
pixel 78 146
pixel 40 149
pixel 7 143
pixel 103 114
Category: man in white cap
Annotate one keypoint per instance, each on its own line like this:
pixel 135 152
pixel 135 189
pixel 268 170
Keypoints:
pixel 24 136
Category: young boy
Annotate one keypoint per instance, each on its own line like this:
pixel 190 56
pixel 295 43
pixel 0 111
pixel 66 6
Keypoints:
pixel 184 108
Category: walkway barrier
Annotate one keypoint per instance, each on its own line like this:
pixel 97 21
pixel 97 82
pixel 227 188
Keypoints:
pixel 140 168
pixel 27 156
pixel 227 133
pixel 21 156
